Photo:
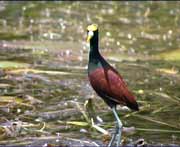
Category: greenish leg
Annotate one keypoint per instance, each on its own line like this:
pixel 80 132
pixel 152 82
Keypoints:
pixel 117 130
pixel 112 139
pixel 119 126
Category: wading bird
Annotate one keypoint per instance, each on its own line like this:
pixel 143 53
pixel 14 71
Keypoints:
pixel 107 82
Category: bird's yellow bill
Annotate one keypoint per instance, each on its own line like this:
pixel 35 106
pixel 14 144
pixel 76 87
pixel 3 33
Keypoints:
pixel 90 35
pixel 89 38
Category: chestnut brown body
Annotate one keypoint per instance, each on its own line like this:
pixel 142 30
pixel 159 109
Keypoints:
pixel 109 85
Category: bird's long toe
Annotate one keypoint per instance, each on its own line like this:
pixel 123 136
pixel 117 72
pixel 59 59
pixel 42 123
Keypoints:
pixel 112 140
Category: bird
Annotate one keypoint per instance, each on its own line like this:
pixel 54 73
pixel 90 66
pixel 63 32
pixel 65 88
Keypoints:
pixel 107 82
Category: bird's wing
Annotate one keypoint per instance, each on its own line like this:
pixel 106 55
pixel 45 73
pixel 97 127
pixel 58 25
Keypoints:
pixel 118 87
pixel 111 84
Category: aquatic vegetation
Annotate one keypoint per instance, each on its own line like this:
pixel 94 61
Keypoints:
pixel 43 72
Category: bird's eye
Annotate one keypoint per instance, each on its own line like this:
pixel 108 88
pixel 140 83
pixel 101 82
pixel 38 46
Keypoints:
pixel 90 33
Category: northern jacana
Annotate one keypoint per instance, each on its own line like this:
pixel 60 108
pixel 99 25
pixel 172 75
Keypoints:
pixel 107 82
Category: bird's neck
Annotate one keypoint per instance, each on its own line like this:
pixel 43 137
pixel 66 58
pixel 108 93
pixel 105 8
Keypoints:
pixel 94 49
pixel 94 52
pixel 94 56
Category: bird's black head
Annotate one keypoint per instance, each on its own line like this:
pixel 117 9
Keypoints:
pixel 92 35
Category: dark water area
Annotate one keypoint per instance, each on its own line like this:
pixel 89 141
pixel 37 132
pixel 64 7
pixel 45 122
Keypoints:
pixel 43 72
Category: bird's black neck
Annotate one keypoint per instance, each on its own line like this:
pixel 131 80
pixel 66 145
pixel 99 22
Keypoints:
pixel 94 55
pixel 94 48
pixel 94 52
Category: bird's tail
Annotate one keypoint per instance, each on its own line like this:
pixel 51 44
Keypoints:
pixel 133 106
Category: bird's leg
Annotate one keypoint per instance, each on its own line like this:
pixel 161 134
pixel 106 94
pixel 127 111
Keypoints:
pixel 119 126
pixel 117 130
pixel 113 137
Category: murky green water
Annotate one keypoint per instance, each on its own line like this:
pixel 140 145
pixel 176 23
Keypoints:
pixel 43 71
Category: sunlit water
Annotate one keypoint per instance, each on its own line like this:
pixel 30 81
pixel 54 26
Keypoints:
pixel 43 70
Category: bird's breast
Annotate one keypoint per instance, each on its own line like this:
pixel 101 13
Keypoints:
pixel 97 79
pixel 102 80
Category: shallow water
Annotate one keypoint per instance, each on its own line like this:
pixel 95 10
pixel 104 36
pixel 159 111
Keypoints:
pixel 43 71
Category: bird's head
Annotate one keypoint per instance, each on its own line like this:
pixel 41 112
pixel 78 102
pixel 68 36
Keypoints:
pixel 92 30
